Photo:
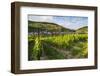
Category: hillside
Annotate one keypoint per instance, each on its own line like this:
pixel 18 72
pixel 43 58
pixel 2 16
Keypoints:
pixel 82 30
pixel 45 27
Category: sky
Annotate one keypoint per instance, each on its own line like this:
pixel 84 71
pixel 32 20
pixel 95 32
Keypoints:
pixel 71 22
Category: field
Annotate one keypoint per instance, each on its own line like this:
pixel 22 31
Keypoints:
pixel 67 46
pixel 51 38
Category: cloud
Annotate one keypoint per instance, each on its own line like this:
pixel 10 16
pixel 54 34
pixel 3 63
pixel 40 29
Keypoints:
pixel 41 18
pixel 75 22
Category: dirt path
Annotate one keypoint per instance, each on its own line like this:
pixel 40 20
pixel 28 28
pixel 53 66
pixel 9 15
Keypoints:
pixel 43 57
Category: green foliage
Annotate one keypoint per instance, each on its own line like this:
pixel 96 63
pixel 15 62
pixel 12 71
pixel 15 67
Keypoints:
pixel 36 51
pixel 52 53
pixel 59 47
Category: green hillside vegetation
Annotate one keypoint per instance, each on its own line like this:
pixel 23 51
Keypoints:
pixel 82 30
pixel 46 26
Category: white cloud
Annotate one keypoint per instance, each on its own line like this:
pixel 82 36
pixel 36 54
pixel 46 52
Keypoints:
pixel 41 18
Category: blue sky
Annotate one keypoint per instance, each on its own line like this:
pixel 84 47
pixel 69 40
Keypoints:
pixel 72 22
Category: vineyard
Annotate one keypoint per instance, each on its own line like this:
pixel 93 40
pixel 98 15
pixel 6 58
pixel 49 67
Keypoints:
pixel 67 46
pixel 48 41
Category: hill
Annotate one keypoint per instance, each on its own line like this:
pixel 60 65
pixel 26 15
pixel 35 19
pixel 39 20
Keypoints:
pixel 34 26
pixel 52 28
pixel 82 30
